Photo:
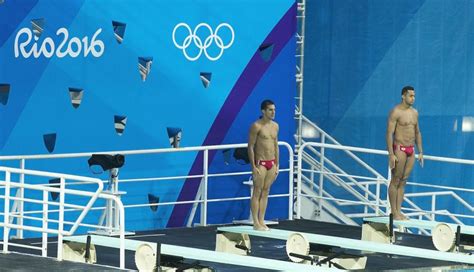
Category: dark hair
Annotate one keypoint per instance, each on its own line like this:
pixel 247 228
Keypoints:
pixel 266 103
pixel 406 89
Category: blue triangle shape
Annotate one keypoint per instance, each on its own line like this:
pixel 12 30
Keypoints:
pixel 4 93
pixel 54 183
pixel 120 122
pixel 227 153
pixel 119 31
pixel 37 26
pixel 152 199
pixel 206 79
pixel 144 66
pixel 76 96
pixel 266 51
pixel 174 135
pixel 49 141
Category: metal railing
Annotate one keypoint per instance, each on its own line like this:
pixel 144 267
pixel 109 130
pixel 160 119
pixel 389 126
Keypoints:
pixel 311 163
pixel 372 196
pixel 200 199
pixel 19 199
pixel 8 223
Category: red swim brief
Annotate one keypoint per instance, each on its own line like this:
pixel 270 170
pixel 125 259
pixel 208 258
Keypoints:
pixel 267 164
pixel 409 150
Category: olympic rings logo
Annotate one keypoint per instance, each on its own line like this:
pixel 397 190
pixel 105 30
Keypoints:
pixel 213 37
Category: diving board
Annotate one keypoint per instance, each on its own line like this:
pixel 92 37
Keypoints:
pixel 354 244
pixel 420 224
pixel 197 254
pixel 445 236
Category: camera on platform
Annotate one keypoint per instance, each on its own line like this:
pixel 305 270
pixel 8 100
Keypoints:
pixel 106 162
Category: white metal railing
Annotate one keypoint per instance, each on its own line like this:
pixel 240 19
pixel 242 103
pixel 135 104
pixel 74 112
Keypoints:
pixel 19 213
pixel 203 200
pixel 8 185
pixel 363 186
pixel 359 190
pixel 382 183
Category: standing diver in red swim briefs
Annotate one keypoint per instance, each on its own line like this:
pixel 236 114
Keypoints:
pixel 263 155
pixel 403 132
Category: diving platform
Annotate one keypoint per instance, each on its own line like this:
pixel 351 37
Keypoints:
pixel 353 244
pixel 147 254
pixel 445 236
pixel 420 224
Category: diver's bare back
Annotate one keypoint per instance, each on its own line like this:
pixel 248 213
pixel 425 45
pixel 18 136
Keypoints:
pixel 265 143
pixel 405 129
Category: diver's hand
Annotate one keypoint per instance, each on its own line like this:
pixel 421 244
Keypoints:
pixel 392 160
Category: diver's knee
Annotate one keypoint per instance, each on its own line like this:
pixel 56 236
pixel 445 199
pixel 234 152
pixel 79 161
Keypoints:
pixel 395 181
pixel 404 180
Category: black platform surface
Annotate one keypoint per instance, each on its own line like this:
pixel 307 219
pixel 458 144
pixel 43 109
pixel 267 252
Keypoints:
pixel 25 262
pixel 204 238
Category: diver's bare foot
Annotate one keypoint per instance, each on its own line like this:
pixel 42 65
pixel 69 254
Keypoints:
pixel 258 227
pixel 404 217
pixel 398 216
pixel 265 227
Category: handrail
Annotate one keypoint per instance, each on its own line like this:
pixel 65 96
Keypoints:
pixel 8 184
pixel 384 152
pixel 327 136
pixel 340 171
pixel 60 190
pixel 204 176
pixel 383 180
pixel 46 188
pixel 50 174
pixel 130 152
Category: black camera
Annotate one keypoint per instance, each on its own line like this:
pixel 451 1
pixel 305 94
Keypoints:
pixel 107 162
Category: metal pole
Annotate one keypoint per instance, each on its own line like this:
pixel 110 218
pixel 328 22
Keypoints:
pixel 321 177
pixel 44 246
pixel 291 178
pixel 298 183
pixel 19 232
pixel 121 209
pixel 204 203
pixel 61 219
pixel 6 216
pixel 389 178
pixel 301 10
pixel 377 197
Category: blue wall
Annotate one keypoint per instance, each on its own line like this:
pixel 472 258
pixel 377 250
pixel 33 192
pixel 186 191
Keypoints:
pixel 172 95
pixel 359 55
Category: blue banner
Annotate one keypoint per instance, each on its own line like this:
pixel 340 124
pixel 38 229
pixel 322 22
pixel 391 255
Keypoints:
pixel 89 76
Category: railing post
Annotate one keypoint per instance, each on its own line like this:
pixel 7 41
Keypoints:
pixel 119 206
pixel 44 246
pixel 321 176
pixel 204 201
pixel 19 232
pixel 433 207
pixel 366 208
pixel 420 217
pixel 291 180
pixel 61 219
pixel 377 197
pixel 6 219
pixel 298 182
pixel 389 178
